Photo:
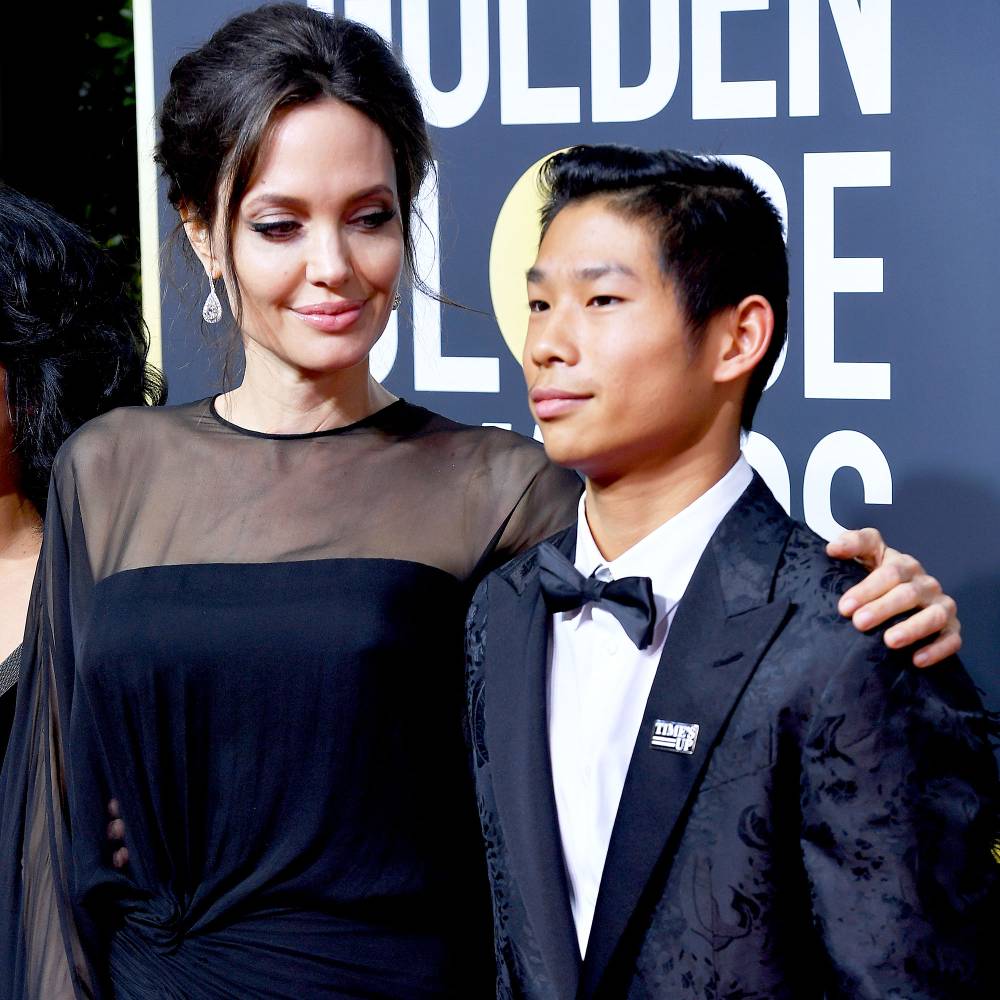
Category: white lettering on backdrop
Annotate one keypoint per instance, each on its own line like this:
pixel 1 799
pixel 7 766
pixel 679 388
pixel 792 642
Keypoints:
pixel 863 29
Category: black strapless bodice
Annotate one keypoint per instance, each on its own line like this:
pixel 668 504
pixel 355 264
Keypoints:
pixel 285 742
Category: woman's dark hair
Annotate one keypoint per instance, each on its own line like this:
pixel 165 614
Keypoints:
pixel 224 98
pixel 720 237
pixel 71 341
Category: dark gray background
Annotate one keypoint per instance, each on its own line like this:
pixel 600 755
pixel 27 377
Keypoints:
pixel 935 227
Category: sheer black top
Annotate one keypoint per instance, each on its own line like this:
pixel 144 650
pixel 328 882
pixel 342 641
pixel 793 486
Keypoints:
pixel 253 642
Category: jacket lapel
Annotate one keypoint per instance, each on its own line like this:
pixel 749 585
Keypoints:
pixel 517 727
pixel 722 628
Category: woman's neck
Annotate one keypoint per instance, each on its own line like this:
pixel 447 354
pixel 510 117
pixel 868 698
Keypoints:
pixel 20 526
pixel 20 541
pixel 275 400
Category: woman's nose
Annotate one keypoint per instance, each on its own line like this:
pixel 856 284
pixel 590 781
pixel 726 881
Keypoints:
pixel 329 260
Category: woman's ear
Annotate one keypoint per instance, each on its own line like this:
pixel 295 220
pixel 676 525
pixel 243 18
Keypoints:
pixel 746 336
pixel 199 235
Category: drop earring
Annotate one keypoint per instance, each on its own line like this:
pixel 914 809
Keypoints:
pixel 211 311
pixel 396 299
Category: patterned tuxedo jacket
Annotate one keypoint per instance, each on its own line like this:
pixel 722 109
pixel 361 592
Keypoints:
pixel 828 837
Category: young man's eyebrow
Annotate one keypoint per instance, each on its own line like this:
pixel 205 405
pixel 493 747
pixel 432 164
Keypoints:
pixel 595 271
pixel 589 273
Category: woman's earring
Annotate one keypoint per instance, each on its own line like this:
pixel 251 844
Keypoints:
pixel 396 299
pixel 211 311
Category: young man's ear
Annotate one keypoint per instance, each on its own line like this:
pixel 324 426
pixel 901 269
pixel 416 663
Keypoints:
pixel 200 237
pixel 746 336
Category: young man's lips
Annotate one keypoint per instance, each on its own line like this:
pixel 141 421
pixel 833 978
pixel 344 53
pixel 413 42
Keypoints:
pixel 549 403
pixel 331 317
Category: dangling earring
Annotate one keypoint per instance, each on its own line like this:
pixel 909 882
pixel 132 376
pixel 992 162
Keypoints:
pixel 396 299
pixel 211 311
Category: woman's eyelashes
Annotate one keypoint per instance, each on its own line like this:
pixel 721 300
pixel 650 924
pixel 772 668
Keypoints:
pixel 376 219
pixel 279 229
pixel 283 229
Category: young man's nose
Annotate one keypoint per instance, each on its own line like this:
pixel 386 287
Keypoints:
pixel 552 340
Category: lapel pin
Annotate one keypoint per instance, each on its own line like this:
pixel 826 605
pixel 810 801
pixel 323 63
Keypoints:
pixel 677 737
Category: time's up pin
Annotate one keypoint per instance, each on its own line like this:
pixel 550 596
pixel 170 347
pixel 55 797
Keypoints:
pixel 677 737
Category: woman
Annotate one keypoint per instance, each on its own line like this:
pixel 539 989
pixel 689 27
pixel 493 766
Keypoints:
pixel 71 347
pixel 248 623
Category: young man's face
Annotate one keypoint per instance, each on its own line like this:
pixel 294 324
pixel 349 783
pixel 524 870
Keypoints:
pixel 612 382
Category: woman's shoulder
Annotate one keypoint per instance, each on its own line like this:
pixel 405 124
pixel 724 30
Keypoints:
pixel 501 466
pixel 488 442
pixel 124 434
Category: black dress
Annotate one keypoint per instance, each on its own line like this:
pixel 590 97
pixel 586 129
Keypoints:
pixel 253 642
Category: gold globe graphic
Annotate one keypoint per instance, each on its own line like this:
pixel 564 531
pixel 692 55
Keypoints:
pixel 512 252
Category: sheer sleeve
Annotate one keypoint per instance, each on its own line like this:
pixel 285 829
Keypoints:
pixel 547 504
pixel 41 957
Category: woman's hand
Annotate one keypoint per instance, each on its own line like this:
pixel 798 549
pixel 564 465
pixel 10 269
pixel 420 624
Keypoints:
pixel 116 835
pixel 897 583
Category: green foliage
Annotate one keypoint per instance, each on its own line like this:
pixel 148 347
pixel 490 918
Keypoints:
pixel 107 97
pixel 67 118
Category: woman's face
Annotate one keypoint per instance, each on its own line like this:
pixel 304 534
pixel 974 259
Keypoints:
pixel 318 242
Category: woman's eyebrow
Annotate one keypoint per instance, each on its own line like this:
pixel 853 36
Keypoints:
pixel 275 199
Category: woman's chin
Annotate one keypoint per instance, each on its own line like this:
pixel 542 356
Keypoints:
pixel 321 359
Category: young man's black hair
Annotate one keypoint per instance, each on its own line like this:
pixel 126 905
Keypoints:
pixel 720 236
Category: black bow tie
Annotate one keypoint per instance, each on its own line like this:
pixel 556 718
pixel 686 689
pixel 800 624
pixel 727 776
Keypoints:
pixel 629 599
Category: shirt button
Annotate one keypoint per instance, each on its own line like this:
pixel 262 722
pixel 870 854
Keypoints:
pixel 611 648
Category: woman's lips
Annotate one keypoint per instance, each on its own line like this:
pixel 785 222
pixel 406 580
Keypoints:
pixel 550 403
pixel 333 318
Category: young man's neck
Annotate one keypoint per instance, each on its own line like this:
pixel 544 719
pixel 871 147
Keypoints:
pixel 623 510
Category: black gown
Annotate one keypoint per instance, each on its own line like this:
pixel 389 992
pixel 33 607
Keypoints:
pixel 253 642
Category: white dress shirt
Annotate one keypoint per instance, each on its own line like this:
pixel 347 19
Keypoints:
pixel 599 682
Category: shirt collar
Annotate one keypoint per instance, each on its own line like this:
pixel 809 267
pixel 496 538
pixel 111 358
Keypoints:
pixel 669 554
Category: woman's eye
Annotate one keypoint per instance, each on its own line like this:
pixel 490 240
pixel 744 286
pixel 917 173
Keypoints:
pixel 604 300
pixel 375 220
pixel 277 230
pixel 537 305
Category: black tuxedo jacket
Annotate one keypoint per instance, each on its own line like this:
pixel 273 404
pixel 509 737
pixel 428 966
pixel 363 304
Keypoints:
pixel 829 836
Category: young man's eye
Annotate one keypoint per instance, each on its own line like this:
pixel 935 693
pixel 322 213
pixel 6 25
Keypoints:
pixel 277 230
pixel 603 300
pixel 537 305
pixel 375 220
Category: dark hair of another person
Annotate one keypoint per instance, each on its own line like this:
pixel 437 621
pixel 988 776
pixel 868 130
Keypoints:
pixel 720 237
pixel 71 341
pixel 226 97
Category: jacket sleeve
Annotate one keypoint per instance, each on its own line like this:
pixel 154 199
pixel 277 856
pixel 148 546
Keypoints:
pixel 899 814
pixel 475 656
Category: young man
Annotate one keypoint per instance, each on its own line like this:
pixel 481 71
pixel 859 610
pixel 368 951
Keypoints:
pixel 695 778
